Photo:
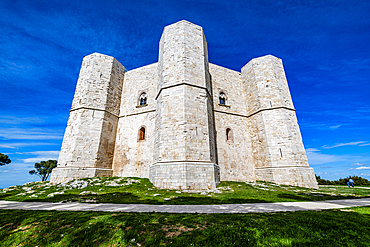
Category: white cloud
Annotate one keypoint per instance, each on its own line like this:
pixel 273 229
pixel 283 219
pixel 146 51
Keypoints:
pixel 38 159
pixel 321 173
pixel 316 158
pixel 25 144
pixel 361 168
pixel 41 155
pixel 19 120
pixel 346 144
pixel 6 146
pixel 30 134
pixel 366 144
pixel 359 164
pixel 335 127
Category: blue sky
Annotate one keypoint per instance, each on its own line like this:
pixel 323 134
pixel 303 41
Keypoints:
pixel 324 45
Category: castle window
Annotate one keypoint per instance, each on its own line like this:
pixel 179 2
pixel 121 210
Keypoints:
pixel 229 135
pixel 142 99
pixel 141 134
pixel 222 98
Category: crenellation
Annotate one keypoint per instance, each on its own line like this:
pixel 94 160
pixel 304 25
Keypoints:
pixel 183 122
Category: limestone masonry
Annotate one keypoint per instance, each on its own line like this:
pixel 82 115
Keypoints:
pixel 183 122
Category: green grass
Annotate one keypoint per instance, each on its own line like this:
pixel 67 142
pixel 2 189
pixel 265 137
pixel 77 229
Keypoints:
pixel 350 227
pixel 139 190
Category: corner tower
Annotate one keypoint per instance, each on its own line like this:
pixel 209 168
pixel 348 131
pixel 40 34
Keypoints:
pixel 89 139
pixel 184 146
pixel 277 148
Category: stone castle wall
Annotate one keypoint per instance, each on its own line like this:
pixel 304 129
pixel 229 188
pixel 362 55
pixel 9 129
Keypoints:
pixel 184 127
pixel 89 139
pixel 191 140
pixel 133 157
pixel 277 141
pixel 234 157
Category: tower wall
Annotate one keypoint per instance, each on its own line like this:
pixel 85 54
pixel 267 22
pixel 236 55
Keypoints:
pixel 279 155
pixel 132 157
pixel 89 139
pixel 234 157
pixel 184 147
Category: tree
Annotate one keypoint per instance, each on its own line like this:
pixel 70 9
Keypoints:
pixel 343 181
pixel 321 181
pixel 44 168
pixel 4 159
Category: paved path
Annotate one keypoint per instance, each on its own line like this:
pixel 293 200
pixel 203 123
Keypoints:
pixel 206 209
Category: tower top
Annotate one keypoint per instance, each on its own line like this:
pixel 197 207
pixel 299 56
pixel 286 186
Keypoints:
pixel 181 23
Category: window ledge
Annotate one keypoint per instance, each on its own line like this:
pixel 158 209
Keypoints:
pixel 228 106
pixel 138 106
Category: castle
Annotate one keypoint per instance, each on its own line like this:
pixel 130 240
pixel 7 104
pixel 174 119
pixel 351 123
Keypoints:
pixel 183 122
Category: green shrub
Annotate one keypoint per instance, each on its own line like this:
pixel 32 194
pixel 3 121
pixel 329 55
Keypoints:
pixel 343 181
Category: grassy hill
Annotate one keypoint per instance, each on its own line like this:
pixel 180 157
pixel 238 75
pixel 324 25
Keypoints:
pixel 140 190
pixel 348 227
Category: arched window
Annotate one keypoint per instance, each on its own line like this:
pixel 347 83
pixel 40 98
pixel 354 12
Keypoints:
pixel 141 134
pixel 142 99
pixel 222 98
pixel 229 135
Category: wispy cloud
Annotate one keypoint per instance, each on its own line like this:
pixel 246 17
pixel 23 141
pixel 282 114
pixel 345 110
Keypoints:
pixel 363 143
pixel 315 157
pixel 327 167
pixel 360 168
pixel 40 155
pixel 39 152
pixel 26 144
pixel 334 127
pixel 19 120
pixel 6 146
pixel 30 134
pixel 359 164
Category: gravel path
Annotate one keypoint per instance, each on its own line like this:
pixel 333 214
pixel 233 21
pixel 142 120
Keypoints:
pixel 205 209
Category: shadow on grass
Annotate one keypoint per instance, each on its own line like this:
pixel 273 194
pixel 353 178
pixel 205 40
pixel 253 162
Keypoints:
pixel 189 200
pixel 117 197
pixel 3 196
pixel 129 198
pixel 318 197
